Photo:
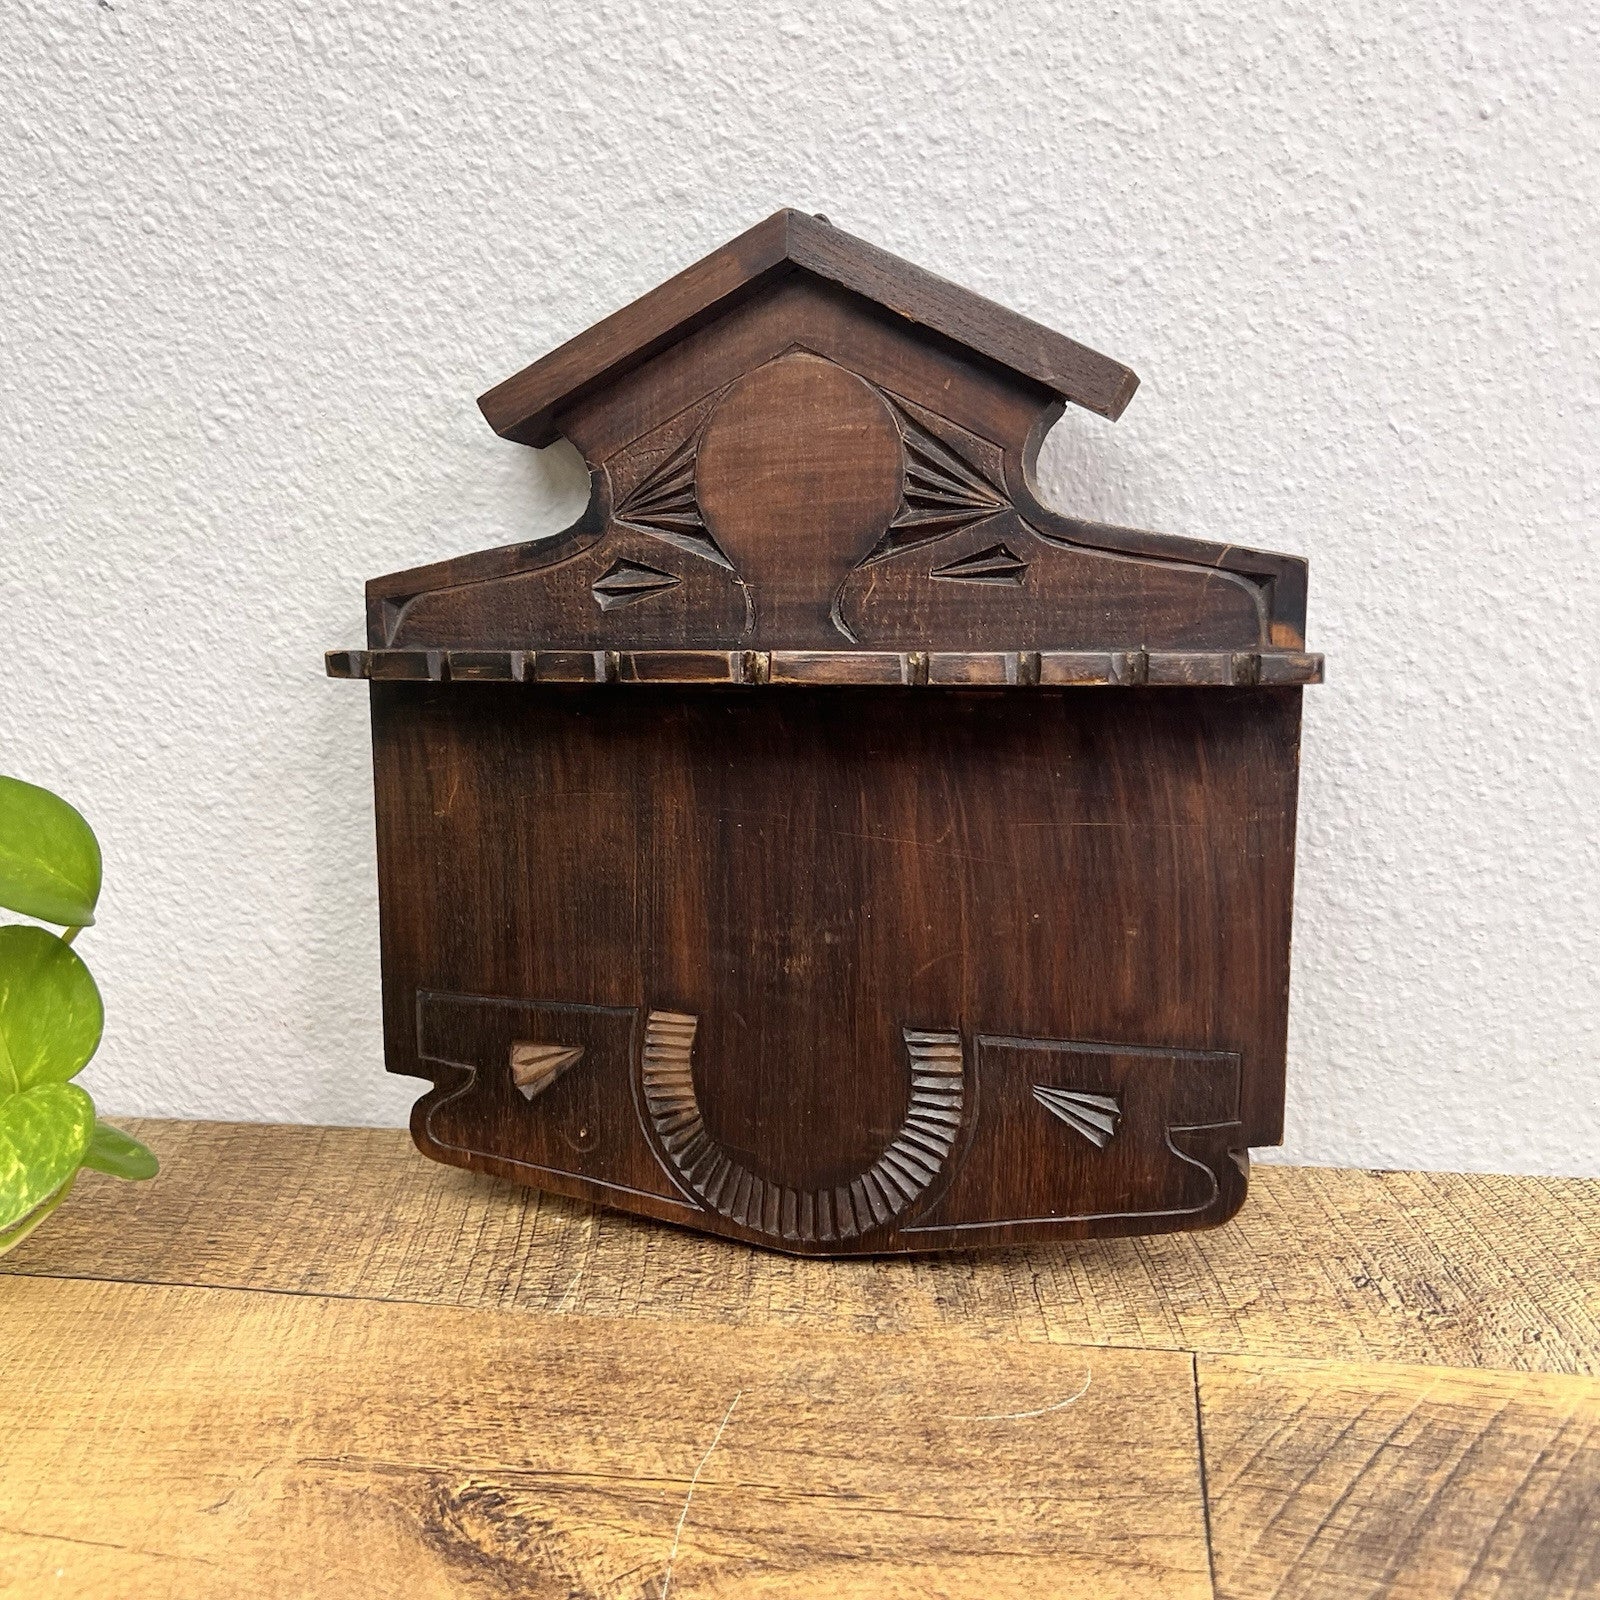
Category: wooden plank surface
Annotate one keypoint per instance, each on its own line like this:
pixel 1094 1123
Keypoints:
pixel 1440 1269
pixel 161 1441
pixel 1338 1480
pixel 307 1361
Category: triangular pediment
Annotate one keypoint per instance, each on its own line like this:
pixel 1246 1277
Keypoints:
pixel 525 406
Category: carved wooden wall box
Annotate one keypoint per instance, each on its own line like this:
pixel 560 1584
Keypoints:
pixel 824 843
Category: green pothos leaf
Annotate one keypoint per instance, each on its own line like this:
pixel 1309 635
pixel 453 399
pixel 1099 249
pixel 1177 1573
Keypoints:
pixel 51 1017
pixel 50 1024
pixel 49 858
pixel 44 1132
pixel 18 1231
pixel 111 1150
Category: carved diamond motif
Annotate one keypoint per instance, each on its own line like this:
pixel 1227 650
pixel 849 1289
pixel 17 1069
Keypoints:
pixel 627 581
pixel 1093 1115
pixel 996 564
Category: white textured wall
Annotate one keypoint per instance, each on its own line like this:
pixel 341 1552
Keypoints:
pixel 256 262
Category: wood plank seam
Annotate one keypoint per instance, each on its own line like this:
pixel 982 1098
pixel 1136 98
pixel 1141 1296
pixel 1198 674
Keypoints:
pixel 1200 1462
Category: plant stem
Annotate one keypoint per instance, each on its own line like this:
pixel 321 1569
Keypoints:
pixel 69 934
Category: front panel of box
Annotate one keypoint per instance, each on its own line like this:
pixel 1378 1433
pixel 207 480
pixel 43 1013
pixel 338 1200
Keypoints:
pixel 844 970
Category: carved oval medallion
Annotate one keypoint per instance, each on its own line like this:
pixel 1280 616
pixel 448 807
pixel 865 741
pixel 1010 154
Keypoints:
pixel 799 472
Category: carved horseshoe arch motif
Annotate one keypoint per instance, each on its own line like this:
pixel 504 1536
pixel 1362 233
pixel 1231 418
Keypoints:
pixel 893 1183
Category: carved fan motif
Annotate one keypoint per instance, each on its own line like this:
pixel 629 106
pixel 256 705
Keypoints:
pixel 534 1067
pixel 1093 1115
pixel 663 505
pixel 944 491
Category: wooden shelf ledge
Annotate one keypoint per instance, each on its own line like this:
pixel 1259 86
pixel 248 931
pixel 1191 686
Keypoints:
pixel 842 668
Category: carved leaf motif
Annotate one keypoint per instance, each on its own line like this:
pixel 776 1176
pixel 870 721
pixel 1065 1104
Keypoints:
pixel 1093 1115
pixel 626 581
pixel 663 504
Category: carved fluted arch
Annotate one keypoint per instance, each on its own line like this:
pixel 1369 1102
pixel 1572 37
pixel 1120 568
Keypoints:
pixel 900 1177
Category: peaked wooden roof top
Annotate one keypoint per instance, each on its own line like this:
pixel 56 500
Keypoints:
pixel 523 408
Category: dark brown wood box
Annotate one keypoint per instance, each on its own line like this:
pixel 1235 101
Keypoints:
pixel 824 843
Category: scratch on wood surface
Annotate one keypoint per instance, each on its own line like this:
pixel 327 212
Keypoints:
pixel 589 1245
pixel 683 1516
pixel 105 1544
pixel 217 1505
pixel 933 961
pixel 1043 1411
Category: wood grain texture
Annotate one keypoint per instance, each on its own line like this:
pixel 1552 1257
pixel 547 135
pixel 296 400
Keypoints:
pixel 1329 1480
pixel 1436 1268
pixel 465 1388
pixel 207 1443
pixel 828 484
pixel 1090 890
